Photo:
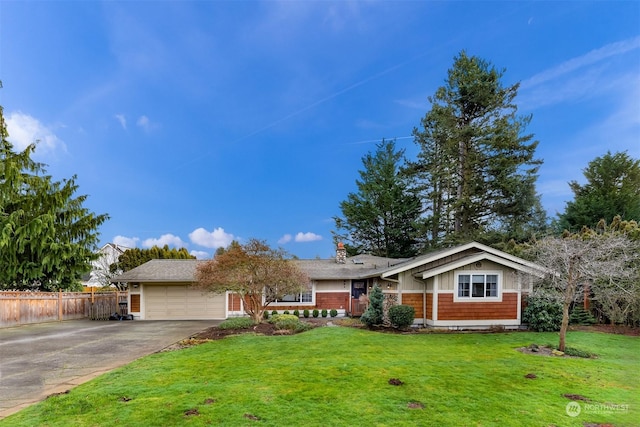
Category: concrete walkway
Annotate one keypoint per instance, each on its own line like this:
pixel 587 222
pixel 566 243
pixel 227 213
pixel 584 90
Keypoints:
pixel 39 360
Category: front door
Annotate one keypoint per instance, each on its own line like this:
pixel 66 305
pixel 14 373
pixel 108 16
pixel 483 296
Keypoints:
pixel 358 305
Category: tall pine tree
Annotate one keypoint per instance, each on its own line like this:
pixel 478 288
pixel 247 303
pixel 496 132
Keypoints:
pixel 612 189
pixel 47 237
pixel 382 217
pixel 476 169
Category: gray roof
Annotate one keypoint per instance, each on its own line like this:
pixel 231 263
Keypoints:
pixel 184 270
pixel 161 270
pixel 356 267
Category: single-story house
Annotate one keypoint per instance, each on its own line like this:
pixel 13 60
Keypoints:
pixel 467 286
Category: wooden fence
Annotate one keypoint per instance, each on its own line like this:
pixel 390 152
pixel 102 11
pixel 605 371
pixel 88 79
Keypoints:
pixel 21 308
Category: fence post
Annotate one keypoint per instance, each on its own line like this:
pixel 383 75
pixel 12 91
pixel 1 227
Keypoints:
pixel 60 305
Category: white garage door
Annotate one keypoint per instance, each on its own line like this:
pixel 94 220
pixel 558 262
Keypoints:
pixel 179 302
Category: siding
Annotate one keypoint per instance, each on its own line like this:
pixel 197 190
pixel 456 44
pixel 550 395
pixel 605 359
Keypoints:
pixel 333 285
pixel 415 301
pixel 234 302
pixel 449 310
pixel 329 300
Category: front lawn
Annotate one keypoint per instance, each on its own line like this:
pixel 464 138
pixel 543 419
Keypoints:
pixel 337 376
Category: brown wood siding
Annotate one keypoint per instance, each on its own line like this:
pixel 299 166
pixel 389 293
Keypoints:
pixel 329 300
pixel 415 301
pixel 135 303
pixel 430 306
pixel 234 302
pixel 505 310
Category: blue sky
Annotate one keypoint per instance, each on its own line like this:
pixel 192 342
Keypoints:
pixel 195 123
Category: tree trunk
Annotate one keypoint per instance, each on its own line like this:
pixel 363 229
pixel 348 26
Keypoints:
pixel 569 294
pixel 565 324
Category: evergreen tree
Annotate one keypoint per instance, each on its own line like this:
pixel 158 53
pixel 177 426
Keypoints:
pixel 612 188
pixel 374 314
pixel 382 217
pixel 476 169
pixel 47 237
pixel 134 257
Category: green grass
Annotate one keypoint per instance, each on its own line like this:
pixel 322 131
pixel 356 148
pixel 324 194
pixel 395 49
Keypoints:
pixel 339 376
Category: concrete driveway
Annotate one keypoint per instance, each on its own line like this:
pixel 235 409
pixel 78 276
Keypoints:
pixel 46 358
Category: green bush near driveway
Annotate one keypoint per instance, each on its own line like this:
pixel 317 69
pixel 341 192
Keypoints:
pixel 237 323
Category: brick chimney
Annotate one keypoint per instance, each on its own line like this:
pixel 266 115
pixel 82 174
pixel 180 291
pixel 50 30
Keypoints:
pixel 341 254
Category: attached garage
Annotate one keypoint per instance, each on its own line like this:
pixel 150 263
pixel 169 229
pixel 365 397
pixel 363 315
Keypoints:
pixel 180 302
pixel 161 290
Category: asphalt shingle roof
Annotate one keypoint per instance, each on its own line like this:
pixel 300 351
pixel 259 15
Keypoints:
pixel 161 270
pixel 184 270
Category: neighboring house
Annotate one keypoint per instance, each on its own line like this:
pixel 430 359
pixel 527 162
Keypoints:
pixel 468 286
pixel 100 275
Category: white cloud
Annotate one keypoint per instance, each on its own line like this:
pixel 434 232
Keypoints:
pixel 128 242
pixel 122 119
pixel 307 237
pixel 590 75
pixel 146 124
pixel 217 238
pixel 589 58
pixel 200 254
pixel 285 239
pixel 165 239
pixel 24 130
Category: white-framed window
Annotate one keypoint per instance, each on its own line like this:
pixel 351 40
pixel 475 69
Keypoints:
pixel 305 297
pixel 477 286
pixel 302 297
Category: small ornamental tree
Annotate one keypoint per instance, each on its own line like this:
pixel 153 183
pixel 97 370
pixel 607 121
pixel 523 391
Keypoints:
pixel 604 257
pixel 374 313
pixel 256 272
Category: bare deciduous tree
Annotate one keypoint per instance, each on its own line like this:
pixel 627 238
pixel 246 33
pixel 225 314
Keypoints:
pixel 256 272
pixel 586 259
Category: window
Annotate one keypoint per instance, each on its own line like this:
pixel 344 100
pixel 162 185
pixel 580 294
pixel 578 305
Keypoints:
pixel 477 286
pixel 463 285
pixel 296 298
pixel 302 297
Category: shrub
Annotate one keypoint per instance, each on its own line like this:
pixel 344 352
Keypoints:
pixel 374 314
pixel 293 325
pixel 236 323
pixel 333 312
pixel 542 315
pixel 324 312
pixel 274 312
pixel 580 316
pixel 296 313
pixel 265 314
pixel 286 312
pixel 305 313
pixel 289 322
pixel 570 351
pixel 282 317
pixel 401 316
pixel 316 312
